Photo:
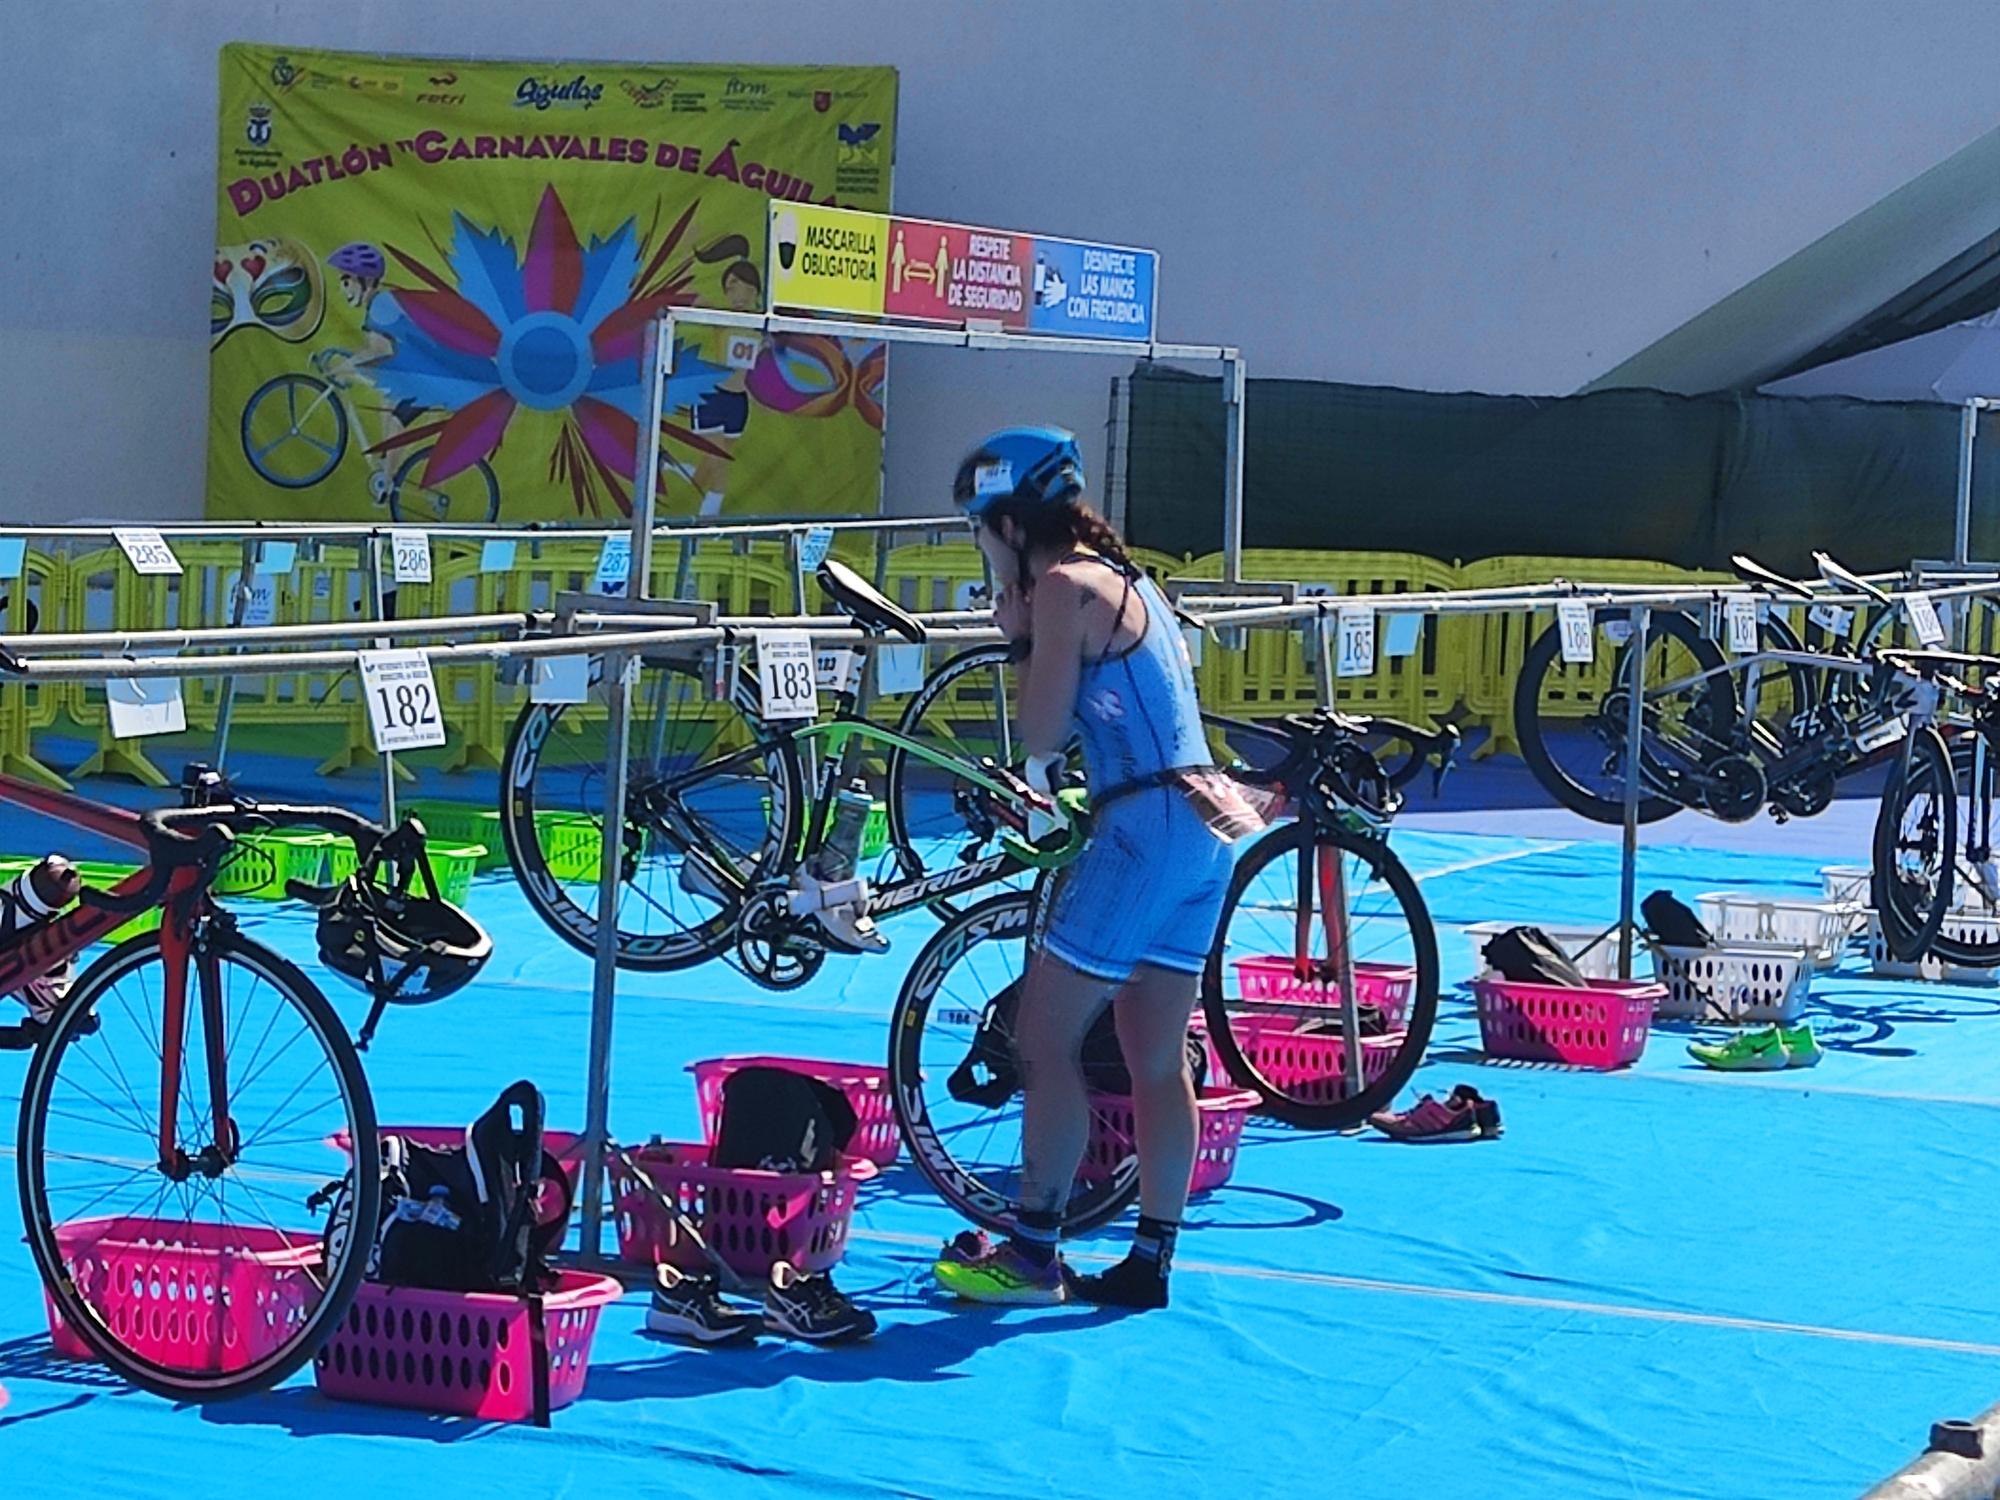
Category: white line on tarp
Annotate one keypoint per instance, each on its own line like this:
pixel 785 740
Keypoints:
pixel 1518 1299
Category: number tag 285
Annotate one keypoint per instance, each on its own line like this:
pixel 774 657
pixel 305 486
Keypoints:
pixel 402 700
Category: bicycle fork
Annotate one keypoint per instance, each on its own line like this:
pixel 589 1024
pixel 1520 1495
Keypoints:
pixel 178 944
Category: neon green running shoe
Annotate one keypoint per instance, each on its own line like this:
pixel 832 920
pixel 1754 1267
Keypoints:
pixel 1759 1051
pixel 1002 1275
pixel 1802 1048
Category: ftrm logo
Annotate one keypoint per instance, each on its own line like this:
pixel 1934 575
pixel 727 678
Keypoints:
pixel 569 93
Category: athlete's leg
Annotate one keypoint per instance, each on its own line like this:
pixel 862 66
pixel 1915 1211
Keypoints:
pixel 1058 1003
pixel 1151 1013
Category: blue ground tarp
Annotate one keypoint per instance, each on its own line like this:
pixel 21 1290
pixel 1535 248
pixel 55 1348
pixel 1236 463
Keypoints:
pixel 1661 1283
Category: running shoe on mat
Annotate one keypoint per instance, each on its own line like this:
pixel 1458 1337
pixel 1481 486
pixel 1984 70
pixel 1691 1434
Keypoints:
pixel 687 1306
pixel 1802 1048
pixel 1759 1051
pixel 812 1308
pixel 1465 1115
pixel 1001 1275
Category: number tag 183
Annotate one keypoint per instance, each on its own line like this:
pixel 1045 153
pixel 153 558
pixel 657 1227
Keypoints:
pixel 785 677
pixel 402 700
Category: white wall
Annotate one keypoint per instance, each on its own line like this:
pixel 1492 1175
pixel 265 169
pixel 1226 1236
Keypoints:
pixel 1505 195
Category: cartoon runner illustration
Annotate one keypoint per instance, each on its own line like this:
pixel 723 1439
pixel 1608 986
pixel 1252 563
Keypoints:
pixel 720 415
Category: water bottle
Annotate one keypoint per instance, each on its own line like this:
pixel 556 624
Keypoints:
pixel 29 901
pixel 843 841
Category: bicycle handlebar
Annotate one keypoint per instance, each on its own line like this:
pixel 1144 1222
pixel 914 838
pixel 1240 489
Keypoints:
pixel 169 848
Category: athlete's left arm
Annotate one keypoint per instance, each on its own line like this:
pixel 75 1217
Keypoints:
pixel 1050 674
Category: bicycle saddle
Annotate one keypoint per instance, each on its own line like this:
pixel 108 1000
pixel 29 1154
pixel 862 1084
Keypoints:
pixel 1752 571
pixel 855 596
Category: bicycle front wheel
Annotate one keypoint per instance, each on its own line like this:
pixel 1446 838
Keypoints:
pixel 955 1080
pixel 219 1268
pixel 1324 936
pixel 709 797
pixel 961 711
pixel 1916 847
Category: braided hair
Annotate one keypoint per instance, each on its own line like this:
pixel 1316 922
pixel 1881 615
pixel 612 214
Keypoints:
pixel 1060 528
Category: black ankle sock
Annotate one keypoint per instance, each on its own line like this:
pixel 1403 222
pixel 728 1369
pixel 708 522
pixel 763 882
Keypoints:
pixel 1036 1234
pixel 1154 1240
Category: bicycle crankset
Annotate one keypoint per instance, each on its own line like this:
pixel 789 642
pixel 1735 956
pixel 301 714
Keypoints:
pixel 1805 795
pixel 770 945
pixel 1733 788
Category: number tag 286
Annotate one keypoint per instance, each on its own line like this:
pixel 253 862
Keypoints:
pixel 402 700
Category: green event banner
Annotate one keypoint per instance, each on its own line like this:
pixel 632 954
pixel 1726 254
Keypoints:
pixel 433 278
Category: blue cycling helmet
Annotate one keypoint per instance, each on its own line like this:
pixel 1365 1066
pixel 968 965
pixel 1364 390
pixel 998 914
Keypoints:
pixel 1029 466
pixel 358 259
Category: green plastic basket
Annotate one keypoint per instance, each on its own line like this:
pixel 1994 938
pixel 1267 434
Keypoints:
pixel 259 864
pixel 572 844
pixel 453 864
pixel 874 832
pixel 463 824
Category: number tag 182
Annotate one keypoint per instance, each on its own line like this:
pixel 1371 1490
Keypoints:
pixel 402 700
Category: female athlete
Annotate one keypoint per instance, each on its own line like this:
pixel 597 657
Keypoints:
pixel 1131 920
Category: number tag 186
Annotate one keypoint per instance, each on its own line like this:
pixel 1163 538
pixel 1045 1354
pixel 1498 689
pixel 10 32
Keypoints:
pixel 402 700
pixel 1579 640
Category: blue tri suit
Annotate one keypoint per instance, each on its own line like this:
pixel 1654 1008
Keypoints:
pixel 1149 886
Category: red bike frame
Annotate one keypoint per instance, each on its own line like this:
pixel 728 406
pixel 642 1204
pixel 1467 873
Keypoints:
pixel 45 950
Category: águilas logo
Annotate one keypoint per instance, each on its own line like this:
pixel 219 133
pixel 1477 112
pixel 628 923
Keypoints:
pixel 257 129
pixel 571 93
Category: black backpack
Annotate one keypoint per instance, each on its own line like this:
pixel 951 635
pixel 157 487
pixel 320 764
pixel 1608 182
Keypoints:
pixel 1528 955
pixel 1671 921
pixel 779 1121
pixel 473 1217
pixel 990 1072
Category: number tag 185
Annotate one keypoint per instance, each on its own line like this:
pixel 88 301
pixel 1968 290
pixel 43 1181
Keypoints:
pixel 402 700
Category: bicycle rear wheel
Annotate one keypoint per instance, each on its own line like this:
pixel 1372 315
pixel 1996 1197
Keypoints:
pixel 228 1279
pixel 1571 720
pixel 954 1083
pixel 1275 995
pixel 961 711
pixel 710 797
pixel 1916 847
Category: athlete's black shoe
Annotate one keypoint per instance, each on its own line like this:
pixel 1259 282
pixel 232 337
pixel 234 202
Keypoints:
pixel 1135 1282
pixel 812 1308
pixel 689 1306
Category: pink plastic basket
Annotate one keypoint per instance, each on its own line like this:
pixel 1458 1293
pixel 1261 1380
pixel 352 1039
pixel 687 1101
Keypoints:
pixel 866 1088
pixel 1222 1113
pixel 1385 986
pixel 1602 1026
pixel 207 1297
pixel 751 1219
pixel 1309 1066
pixel 463 1353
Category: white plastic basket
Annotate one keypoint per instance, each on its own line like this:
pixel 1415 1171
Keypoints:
pixel 1822 928
pixel 1846 883
pixel 1601 962
pixel 1967 926
pixel 1735 983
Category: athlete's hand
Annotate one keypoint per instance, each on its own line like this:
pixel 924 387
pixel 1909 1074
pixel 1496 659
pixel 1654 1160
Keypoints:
pixel 1011 613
